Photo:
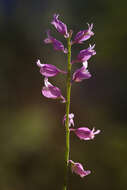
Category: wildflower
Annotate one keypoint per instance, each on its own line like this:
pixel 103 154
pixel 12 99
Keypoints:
pixel 83 35
pixel 85 133
pixel 78 169
pixel 82 73
pixel 85 54
pixel 60 26
pixel 50 91
pixel 71 121
pixel 57 45
pixel 49 70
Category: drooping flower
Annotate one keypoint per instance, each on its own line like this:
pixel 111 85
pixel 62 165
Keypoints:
pixel 50 91
pixel 82 73
pixel 83 35
pixel 57 45
pixel 85 133
pixel 60 26
pixel 71 121
pixel 78 169
pixel 85 54
pixel 48 70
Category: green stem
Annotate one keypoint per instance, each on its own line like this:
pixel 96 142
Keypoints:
pixel 68 85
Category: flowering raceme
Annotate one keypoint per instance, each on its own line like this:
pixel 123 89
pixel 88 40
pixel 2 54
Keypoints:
pixel 53 92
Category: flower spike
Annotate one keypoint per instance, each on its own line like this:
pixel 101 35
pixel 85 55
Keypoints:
pixel 53 92
pixel 78 169
pixel 60 26
pixel 50 91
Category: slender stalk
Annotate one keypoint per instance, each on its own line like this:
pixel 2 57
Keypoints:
pixel 68 85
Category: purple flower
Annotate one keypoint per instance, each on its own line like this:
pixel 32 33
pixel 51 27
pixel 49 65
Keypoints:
pixel 85 54
pixel 60 26
pixel 50 91
pixel 82 73
pixel 78 169
pixel 85 133
pixel 49 70
pixel 57 45
pixel 83 35
pixel 71 121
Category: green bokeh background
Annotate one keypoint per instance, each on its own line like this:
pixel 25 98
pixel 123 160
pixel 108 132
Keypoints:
pixel 32 137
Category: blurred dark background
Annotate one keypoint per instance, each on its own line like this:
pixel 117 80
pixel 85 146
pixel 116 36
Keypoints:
pixel 31 133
